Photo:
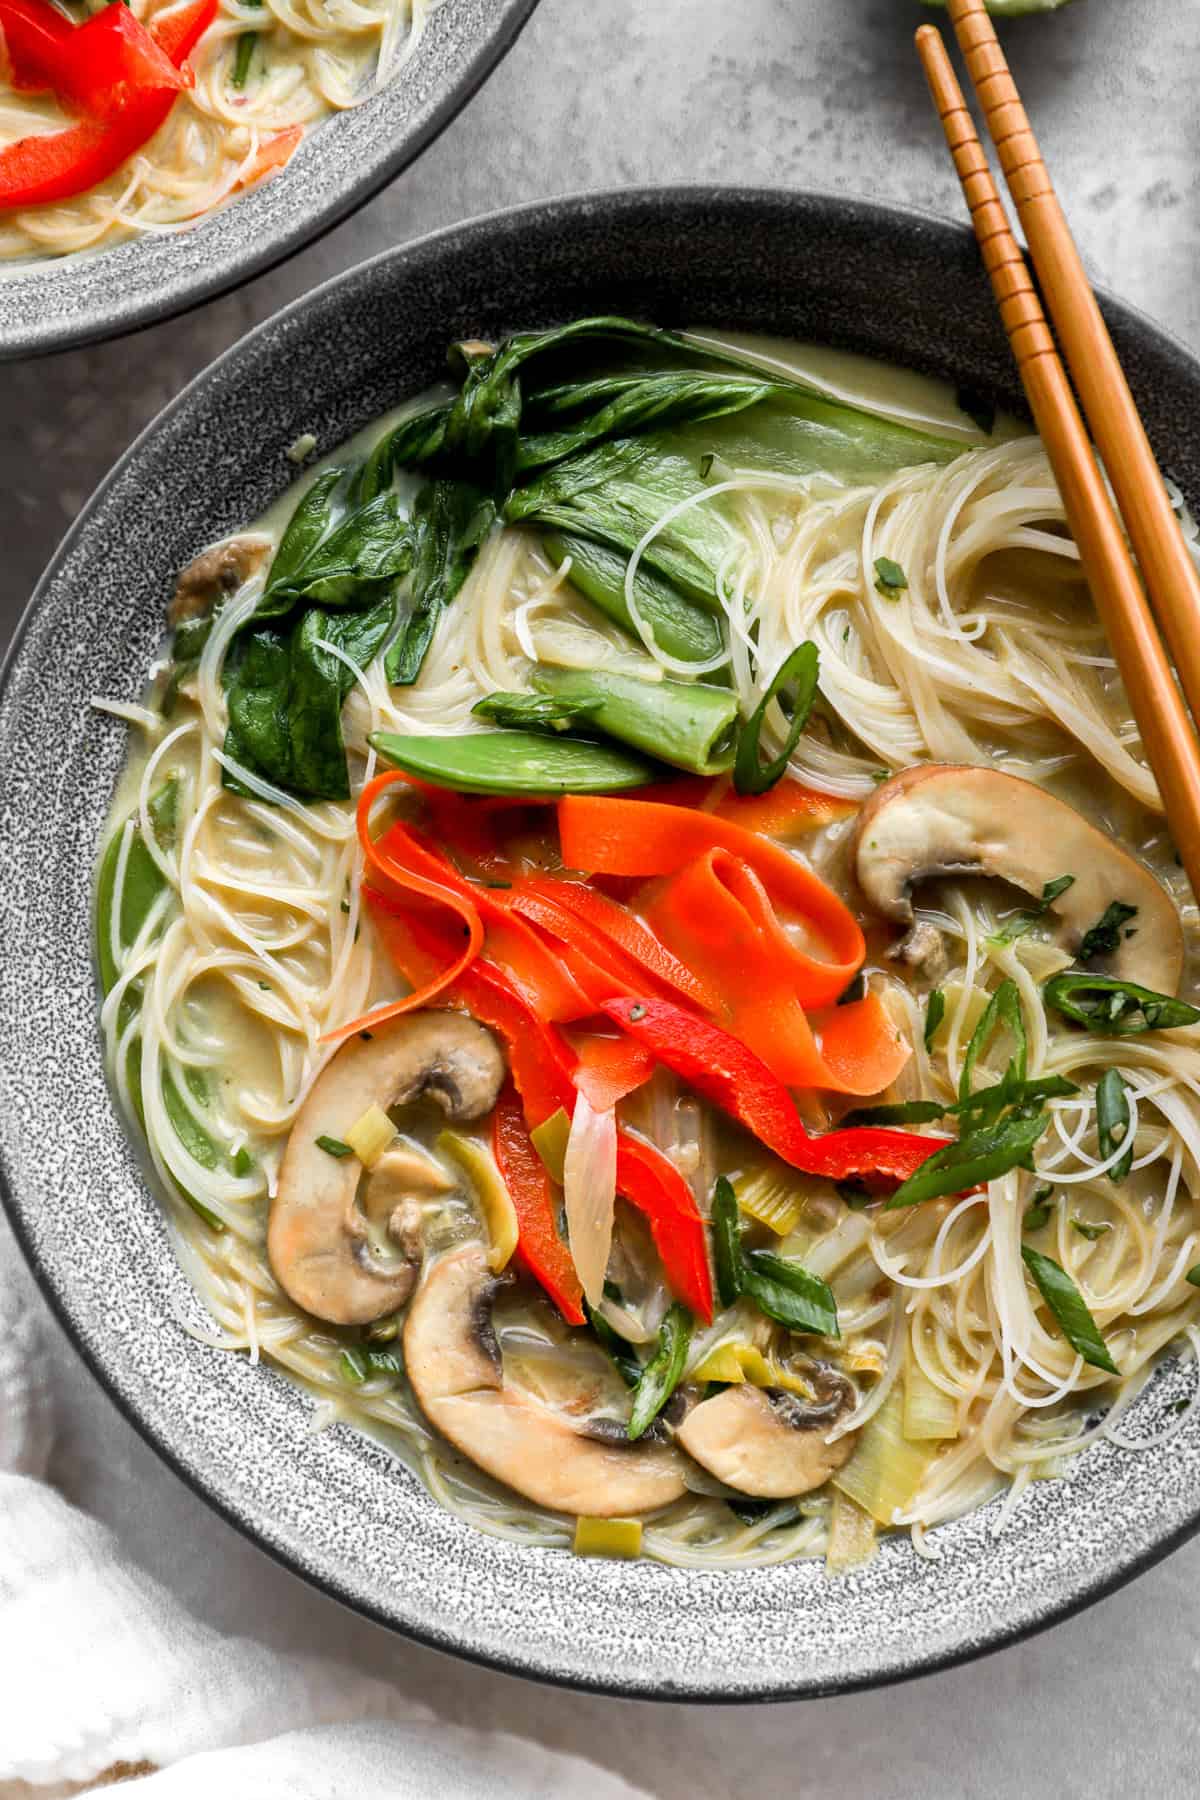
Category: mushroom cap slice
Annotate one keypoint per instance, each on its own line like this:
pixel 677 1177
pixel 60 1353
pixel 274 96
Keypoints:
pixel 318 1239
pixel 765 1442
pixel 952 819
pixel 454 1365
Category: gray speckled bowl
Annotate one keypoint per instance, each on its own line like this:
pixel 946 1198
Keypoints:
pixel 56 303
pixel 334 1507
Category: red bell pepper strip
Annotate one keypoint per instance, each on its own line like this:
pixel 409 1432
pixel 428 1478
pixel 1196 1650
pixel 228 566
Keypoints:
pixel 610 1069
pixel 64 164
pixel 716 914
pixel 180 30
pixel 631 837
pixel 94 68
pixel 540 1249
pixel 655 1187
pixel 735 1079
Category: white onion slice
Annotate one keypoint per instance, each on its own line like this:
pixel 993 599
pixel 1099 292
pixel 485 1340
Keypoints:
pixel 590 1186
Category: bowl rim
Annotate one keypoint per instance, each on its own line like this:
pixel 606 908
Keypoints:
pixel 116 319
pixel 559 210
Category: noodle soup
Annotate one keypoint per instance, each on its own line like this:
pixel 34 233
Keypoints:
pixel 216 96
pixel 641 941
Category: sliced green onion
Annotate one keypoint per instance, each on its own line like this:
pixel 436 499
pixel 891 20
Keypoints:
pixel 790 1294
pixel 1004 1007
pixel 1068 1306
pixel 354 1365
pixel 663 1373
pixel 1115 1008
pixel 334 1146
pixel 244 57
pixel 1112 1122
pixel 1086 1229
pixel 980 1156
pixel 798 671
pixel 727 1243
pixel 890 578
pixel 935 1012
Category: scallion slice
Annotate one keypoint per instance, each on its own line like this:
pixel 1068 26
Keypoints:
pixel 799 671
pixel 1069 1308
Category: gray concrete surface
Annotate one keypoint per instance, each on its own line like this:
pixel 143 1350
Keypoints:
pixel 816 93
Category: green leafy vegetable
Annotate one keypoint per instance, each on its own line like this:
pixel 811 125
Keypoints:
pixel 686 723
pixel 534 712
pixel 1113 1122
pixel 621 406
pixel 977 1157
pixel 1104 937
pixel 1067 1304
pixel 450 521
pixel 515 762
pixel 799 672
pixel 660 1377
pixel 1193 1275
pixel 679 627
pixel 935 1012
pixel 890 578
pixel 1115 1008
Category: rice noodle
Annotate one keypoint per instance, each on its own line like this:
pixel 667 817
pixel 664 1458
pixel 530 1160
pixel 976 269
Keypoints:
pixel 311 58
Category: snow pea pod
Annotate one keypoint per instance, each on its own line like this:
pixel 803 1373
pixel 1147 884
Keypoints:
pixel 686 723
pixel 515 762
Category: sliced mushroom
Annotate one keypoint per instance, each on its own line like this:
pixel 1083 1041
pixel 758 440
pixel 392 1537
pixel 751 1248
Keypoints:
pixel 768 1443
pixel 320 1240
pixel 949 819
pixel 454 1364
pixel 214 574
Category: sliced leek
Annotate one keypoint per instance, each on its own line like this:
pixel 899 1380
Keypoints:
pixel 886 1470
pixel 770 1198
pixel 929 1414
pixel 371 1135
pixel 608 1537
pixel 499 1214
pixel 851 1535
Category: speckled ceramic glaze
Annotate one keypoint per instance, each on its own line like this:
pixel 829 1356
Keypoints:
pixel 334 1507
pixel 54 303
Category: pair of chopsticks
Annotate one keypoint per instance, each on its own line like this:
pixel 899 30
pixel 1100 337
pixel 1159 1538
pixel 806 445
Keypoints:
pixel 1167 568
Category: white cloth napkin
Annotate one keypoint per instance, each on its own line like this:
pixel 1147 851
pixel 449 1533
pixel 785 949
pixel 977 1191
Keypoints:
pixel 102 1668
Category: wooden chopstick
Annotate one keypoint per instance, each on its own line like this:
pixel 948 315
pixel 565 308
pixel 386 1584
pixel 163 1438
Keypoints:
pixel 1169 573
pixel 1158 708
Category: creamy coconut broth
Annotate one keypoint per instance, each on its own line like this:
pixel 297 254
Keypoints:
pixel 792 1128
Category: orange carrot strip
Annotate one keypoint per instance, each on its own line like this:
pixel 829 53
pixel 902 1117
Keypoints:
pixel 393 878
pixel 631 837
